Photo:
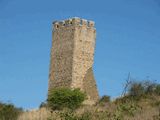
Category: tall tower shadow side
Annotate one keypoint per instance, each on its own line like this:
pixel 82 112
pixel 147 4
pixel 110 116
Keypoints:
pixel 72 54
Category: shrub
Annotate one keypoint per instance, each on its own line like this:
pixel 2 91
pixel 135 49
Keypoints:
pixel 9 112
pixel 85 116
pixel 143 88
pixel 108 115
pixel 149 87
pixel 69 115
pixel 128 108
pixel 136 89
pixel 43 105
pixel 105 99
pixel 157 89
pixel 61 98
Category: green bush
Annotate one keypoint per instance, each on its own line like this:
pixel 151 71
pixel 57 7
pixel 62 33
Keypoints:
pixel 61 98
pixel 128 108
pixel 70 115
pixel 85 116
pixel 9 112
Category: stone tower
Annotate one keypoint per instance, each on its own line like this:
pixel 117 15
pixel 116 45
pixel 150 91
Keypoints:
pixel 72 53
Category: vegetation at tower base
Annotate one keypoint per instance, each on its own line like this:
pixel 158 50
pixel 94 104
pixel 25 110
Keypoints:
pixel 9 112
pixel 141 102
pixel 60 98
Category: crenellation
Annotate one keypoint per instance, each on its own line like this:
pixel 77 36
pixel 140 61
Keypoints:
pixel 56 25
pixel 73 22
pixel 84 22
pixel 91 23
pixel 62 23
pixel 68 22
pixel 76 21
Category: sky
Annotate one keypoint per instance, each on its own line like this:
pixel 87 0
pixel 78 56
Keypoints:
pixel 128 40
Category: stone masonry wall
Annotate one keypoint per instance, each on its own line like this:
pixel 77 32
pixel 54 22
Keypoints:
pixel 61 55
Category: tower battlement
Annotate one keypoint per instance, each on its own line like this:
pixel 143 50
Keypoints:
pixel 73 22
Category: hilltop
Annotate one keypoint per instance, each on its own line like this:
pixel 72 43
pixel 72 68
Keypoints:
pixel 141 102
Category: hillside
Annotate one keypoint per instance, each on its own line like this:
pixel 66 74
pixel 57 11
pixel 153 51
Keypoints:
pixel 141 101
pixel 124 108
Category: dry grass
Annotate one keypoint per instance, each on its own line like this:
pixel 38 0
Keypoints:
pixel 41 114
pixel 143 109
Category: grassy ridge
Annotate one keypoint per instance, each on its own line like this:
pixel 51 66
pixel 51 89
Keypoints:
pixel 141 101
